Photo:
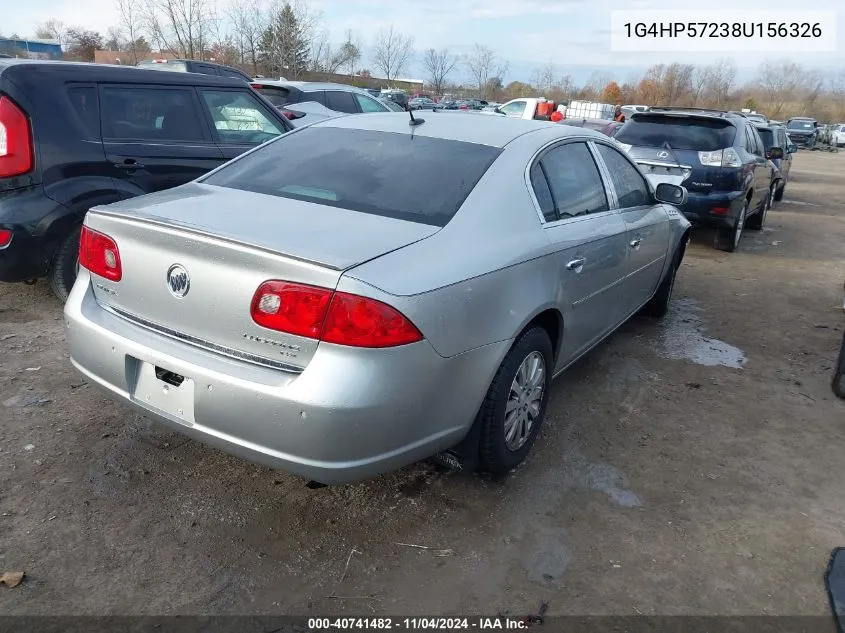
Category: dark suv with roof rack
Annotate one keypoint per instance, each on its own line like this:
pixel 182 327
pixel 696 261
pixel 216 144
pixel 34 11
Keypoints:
pixel 75 135
pixel 804 131
pixel 718 156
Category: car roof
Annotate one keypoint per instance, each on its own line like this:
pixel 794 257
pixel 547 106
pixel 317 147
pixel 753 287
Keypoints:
pixel 694 113
pixel 310 86
pixel 86 71
pixel 456 126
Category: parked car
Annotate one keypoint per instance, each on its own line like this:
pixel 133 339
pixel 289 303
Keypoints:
pixel 423 103
pixel 194 66
pixel 803 131
pixel 775 136
pixel 391 105
pixel 397 96
pixel 286 309
pixel 338 98
pixel 837 135
pixel 80 135
pixel 718 156
pixel 449 104
pixel 628 110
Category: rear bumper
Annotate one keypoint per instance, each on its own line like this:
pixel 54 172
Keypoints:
pixel 350 415
pixel 714 209
pixel 29 253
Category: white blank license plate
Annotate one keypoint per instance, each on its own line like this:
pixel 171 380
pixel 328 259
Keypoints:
pixel 159 393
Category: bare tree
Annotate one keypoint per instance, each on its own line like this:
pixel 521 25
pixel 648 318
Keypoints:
pixel 698 81
pixel 131 24
pixel 720 81
pixel 351 51
pixel 248 23
pixel 779 82
pixel 483 66
pixel 391 52
pixel 439 65
pixel 184 27
pixel 51 29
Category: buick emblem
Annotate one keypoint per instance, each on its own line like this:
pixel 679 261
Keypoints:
pixel 662 154
pixel 178 281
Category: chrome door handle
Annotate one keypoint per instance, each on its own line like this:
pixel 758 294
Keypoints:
pixel 576 264
pixel 635 243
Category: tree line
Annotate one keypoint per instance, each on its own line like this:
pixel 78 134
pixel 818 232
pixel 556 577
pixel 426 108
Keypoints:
pixel 287 38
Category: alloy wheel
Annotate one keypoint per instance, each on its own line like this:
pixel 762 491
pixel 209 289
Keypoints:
pixel 525 399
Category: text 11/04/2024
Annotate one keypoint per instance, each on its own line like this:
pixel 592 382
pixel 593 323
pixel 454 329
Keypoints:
pixel 732 31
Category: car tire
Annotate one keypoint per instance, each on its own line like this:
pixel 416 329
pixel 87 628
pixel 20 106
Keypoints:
pixel 65 264
pixel 758 220
pixel 658 305
pixel 727 239
pixel 779 192
pixel 503 446
pixel 838 383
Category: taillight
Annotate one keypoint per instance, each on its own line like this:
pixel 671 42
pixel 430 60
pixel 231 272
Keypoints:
pixel 16 154
pixel 727 157
pixel 98 253
pixel 5 237
pixel 333 317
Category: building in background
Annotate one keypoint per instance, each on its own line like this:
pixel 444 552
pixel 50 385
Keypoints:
pixel 31 48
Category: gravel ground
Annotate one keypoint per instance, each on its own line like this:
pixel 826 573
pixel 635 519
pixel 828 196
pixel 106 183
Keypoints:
pixel 692 466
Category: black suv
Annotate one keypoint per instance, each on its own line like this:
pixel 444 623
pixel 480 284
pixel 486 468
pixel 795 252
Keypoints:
pixel 79 135
pixel 804 131
pixel 194 66
pixel 718 156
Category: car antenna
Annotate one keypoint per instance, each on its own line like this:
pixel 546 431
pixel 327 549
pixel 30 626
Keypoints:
pixel 674 156
pixel 413 122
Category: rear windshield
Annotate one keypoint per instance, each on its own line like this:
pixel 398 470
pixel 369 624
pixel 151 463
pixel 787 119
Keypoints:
pixel 180 67
pixel 274 94
pixel 799 125
pixel 413 178
pixel 704 135
pixel 768 137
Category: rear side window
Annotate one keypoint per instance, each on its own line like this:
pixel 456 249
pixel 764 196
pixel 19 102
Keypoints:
pixel 631 189
pixel 239 117
pixel 576 186
pixel 544 195
pixel 341 101
pixel 150 114
pixel 369 105
pixel 274 94
pixel 83 100
pixel 180 67
pixel 700 134
pixel 380 173
pixel 768 137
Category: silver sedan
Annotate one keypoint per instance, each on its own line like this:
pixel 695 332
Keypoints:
pixel 364 293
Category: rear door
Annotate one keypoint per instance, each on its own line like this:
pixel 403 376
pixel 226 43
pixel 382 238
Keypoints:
pixel 786 161
pixel 155 137
pixel 239 120
pixel 589 238
pixel 646 226
pixel 760 165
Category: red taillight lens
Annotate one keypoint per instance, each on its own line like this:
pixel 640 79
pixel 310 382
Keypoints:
pixel 98 253
pixel 720 210
pixel 5 237
pixel 333 317
pixel 292 308
pixel 362 322
pixel 16 154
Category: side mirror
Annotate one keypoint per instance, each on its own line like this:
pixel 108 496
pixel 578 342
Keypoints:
pixel 671 194
pixel 775 153
pixel 791 148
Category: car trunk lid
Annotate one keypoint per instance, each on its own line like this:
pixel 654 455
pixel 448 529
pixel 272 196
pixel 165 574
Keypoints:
pixel 229 244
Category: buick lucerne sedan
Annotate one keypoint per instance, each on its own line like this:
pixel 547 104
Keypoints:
pixel 366 292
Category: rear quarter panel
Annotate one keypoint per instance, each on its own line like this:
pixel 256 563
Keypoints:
pixel 484 276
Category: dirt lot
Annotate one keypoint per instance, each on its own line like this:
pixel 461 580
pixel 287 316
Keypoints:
pixel 667 480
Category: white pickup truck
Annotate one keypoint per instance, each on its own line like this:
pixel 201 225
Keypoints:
pixel 522 108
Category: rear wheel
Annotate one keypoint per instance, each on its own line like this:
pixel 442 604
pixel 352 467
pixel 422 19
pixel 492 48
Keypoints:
pixel 727 239
pixel 515 405
pixel 658 305
pixel 779 191
pixel 65 265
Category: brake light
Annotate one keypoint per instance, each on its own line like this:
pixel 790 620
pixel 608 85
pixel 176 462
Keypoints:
pixel 727 157
pixel 257 86
pixel 5 237
pixel 720 210
pixel 333 317
pixel 98 253
pixel 16 152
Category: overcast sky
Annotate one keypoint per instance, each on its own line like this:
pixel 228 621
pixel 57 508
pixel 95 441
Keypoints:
pixel 574 34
